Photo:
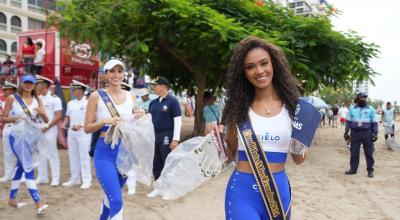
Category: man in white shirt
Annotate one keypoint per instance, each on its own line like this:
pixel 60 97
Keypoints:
pixel 52 104
pixel 39 58
pixel 78 140
pixel 343 111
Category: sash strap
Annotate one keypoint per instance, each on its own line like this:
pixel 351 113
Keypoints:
pixel 263 175
pixel 23 105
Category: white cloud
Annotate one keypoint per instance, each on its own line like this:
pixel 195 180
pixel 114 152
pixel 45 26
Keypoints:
pixel 378 22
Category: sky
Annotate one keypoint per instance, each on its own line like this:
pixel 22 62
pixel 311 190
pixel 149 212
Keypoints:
pixel 378 22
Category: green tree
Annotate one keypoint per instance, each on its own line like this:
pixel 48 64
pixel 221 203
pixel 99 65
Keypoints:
pixel 337 96
pixel 190 41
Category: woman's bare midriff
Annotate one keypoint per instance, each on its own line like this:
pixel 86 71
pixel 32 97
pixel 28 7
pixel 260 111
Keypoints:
pixel 244 166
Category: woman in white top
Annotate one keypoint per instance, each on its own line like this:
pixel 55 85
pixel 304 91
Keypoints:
pixel 97 118
pixel 263 91
pixel 26 94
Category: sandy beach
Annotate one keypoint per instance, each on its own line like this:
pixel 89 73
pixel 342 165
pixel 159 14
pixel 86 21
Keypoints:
pixel 320 190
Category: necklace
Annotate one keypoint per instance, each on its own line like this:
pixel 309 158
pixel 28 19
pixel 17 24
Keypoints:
pixel 267 111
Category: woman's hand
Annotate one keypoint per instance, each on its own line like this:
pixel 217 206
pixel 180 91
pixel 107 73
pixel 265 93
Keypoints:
pixel 16 118
pixel 111 121
pixel 40 111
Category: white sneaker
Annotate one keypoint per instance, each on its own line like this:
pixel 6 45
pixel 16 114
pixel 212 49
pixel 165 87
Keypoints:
pixel 41 181
pixel 55 183
pixel 132 191
pixel 41 209
pixel 5 179
pixel 154 193
pixel 21 205
pixel 70 183
pixel 86 185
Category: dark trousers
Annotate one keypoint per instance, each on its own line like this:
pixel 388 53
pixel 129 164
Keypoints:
pixel 37 70
pixel 363 137
pixel 161 151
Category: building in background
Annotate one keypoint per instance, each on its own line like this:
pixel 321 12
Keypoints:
pixel 307 7
pixel 17 16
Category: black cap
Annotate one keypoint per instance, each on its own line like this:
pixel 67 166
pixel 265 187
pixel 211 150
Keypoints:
pixel 361 95
pixel 162 80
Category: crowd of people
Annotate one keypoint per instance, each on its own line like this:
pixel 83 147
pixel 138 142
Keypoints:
pixel 263 118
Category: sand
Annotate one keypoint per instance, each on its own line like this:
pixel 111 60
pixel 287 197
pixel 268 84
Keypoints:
pixel 320 190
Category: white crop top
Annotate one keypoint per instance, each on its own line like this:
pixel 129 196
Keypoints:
pixel 18 111
pixel 273 133
pixel 124 110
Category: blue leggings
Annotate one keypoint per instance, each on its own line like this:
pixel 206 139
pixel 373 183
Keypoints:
pixel 243 200
pixel 29 178
pixel 110 180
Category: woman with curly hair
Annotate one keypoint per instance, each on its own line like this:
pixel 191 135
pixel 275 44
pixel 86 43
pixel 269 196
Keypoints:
pixel 260 90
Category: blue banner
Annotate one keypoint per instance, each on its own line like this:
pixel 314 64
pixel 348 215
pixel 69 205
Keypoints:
pixel 305 123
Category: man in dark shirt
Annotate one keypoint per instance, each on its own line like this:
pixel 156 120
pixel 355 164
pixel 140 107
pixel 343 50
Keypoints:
pixel 335 111
pixel 166 114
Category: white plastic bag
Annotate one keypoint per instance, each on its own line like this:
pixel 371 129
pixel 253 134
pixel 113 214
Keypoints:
pixel 188 166
pixel 24 137
pixel 136 150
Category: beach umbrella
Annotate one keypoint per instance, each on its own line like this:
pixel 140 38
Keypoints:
pixel 315 101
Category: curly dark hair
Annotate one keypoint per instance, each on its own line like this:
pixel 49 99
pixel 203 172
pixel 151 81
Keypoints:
pixel 240 92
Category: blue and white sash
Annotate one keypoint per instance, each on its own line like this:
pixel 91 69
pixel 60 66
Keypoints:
pixel 23 105
pixel 108 102
pixel 113 111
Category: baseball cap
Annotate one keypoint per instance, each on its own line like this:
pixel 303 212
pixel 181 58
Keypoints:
pixel 28 78
pixel 112 63
pixel 162 80
pixel 361 95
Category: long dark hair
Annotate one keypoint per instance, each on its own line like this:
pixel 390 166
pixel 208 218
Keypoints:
pixel 29 41
pixel 240 92
pixel 21 90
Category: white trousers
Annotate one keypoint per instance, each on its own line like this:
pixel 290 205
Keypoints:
pixel 131 181
pixel 50 150
pixel 9 158
pixel 79 160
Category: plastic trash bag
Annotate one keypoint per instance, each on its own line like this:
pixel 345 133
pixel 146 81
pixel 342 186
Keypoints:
pixel 24 137
pixel 136 150
pixel 392 144
pixel 188 166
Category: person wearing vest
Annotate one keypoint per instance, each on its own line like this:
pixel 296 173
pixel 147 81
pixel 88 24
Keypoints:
pixel 363 123
pixel 24 105
pixel 52 104
pixel 78 140
pixel 9 162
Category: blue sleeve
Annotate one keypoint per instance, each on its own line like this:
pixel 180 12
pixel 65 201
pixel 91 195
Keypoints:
pixel 374 121
pixel 348 121
pixel 204 112
pixel 176 109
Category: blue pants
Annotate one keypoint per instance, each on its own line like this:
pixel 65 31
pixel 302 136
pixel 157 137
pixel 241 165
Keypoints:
pixel 110 180
pixel 161 151
pixel 29 178
pixel 243 200
pixel 359 137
